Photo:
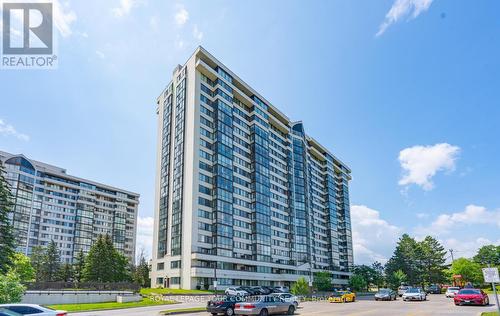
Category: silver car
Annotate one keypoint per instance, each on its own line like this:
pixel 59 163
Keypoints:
pixel 265 305
pixel 288 298
pixel 28 309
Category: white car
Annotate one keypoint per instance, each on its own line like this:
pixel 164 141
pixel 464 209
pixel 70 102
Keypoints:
pixel 28 309
pixel 451 291
pixel 236 291
pixel 414 294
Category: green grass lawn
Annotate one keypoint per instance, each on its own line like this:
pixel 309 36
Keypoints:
pixel 183 310
pixel 489 290
pixel 489 314
pixel 150 291
pixel 108 305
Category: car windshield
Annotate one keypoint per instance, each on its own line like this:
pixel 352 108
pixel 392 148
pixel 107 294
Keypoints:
pixel 453 289
pixel 403 287
pixel 384 291
pixel 469 291
pixel 413 290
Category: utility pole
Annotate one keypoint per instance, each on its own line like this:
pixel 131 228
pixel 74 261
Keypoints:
pixel 451 252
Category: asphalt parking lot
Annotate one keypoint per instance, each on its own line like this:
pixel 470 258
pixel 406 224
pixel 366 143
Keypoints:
pixel 435 305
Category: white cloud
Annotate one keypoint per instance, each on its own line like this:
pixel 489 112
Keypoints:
pixel 145 234
pixel 373 238
pixel 421 163
pixel 466 248
pixel 179 43
pixel 403 8
pixel 472 215
pixel 153 22
pixel 9 130
pixel 197 34
pixel 63 18
pixel 100 54
pixel 181 16
pixel 422 215
pixel 125 7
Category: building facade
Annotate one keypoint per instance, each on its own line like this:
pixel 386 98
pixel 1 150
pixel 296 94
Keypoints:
pixel 243 194
pixel 52 205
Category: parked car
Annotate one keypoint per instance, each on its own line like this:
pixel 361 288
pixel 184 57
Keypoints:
pixel 251 290
pixel 414 294
pixel 289 298
pixel 452 291
pixel 263 290
pixel 402 289
pixel 223 305
pixel 237 291
pixel 29 309
pixel 471 297
pixel 385 295
pixel 281 289
pixel 264 305
pixel 342 297
pixel 434 289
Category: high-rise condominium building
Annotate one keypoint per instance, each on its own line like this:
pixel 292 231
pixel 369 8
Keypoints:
pixel 52 205
pixel 242 191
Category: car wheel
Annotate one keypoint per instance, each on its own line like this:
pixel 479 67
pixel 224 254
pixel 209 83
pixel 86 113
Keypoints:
pixel 229 312
pixel 343 300
pixel 263 312
pixel 376 299
pixel 214 314
pixel 354 299
pixel 486 302
pixel 291 310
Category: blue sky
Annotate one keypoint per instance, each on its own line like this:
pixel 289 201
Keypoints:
pixel 405 92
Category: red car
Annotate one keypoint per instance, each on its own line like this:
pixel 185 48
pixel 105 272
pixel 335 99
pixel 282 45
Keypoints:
pixel 471 297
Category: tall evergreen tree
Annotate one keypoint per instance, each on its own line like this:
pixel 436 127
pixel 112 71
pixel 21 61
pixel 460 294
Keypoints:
pixel 405 259
pixel 53 263
pixel 38 259
pixel 7 240
pixel 66 272
pixel 432 258
pixel 79 266
pixel 106 264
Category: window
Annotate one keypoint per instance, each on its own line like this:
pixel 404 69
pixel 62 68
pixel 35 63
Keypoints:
pixel 175 264
pixel 160 266
pixel 24 310
pixel 175 280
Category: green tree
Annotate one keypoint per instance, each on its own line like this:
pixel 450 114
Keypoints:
pixel 66 272
pixel 489 254
pixel 396 279
pixel 405 258
pixel 141 271
pixel 7 240
pixel 38 259
pixel 104 263
pixel 431 258
pixel 367 273
pixel 323 281
pixel 301 287
pixel 52 264
pixel 357 283
pixel 79 266
pixel 22 267
pixel 378 276
pixel 468 269
pixel 11 289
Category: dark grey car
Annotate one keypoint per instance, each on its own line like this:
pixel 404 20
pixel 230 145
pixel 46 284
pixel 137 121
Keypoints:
pixel 265 305
pixel 386 295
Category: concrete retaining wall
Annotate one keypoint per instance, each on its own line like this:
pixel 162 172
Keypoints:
pixel 72 297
